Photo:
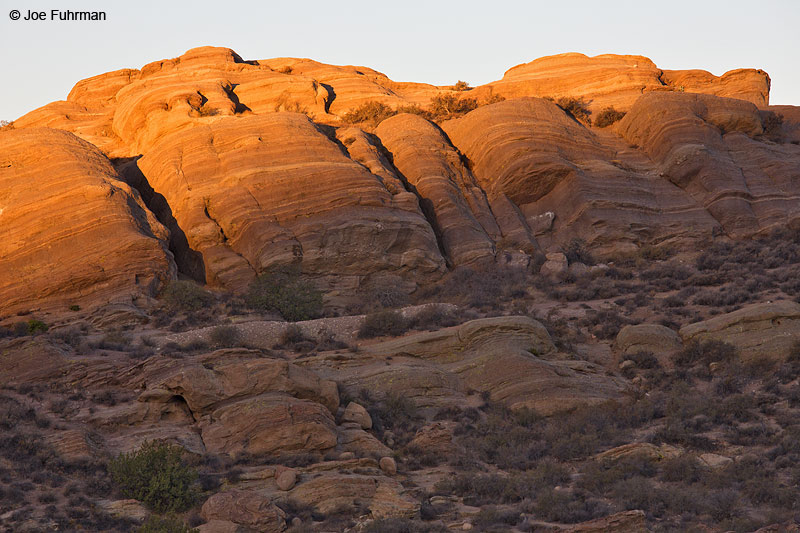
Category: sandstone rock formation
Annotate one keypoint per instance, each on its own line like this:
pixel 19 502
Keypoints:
pixel 618 80
pixel 74 232
pixel 248 509
pixel 710 148
pixel 512 359
pixel 764 330
pixel 249 165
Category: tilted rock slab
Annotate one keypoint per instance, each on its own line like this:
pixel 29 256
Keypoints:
pixel 74 233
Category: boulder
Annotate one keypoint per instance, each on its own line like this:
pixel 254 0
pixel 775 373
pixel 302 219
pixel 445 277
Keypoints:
pixel 556 265
pixel 653 338
pixel 356 413
pixel 352 438
pixel 285 478
pixel 388 465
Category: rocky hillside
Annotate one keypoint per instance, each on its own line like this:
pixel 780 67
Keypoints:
pixel 277 295
pixel 220 168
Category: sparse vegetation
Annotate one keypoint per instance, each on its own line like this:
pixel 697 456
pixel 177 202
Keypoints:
pixel 165 524
pixel 225 336
pixel 372 113
pixel 385 322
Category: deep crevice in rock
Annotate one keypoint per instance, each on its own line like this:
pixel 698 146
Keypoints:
pixel 190 262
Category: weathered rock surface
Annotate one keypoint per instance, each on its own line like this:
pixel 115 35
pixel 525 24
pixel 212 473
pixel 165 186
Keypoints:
pixel 534 161
pixel 623 522
pixel 30 360
pixel 131 509
pixel 383 496
pixel 74 233
pixel 246 508
pixel 764 330
pixel 511 358
pixel 618 80
pixel 653 338
pixel 270 423
pixel 289 195
pixel 232 378
pixel 644 450
pixel 436 437
pixel 449 194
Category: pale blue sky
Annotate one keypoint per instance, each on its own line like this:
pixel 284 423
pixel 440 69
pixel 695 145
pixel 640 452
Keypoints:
pixel 428 41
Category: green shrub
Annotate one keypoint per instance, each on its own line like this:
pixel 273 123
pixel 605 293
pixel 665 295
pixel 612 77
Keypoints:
pixel 36 326
pixel 225 336
pixel 164 524
pixel 156 476
pixel 283 290
pixel 461 86
pixel 186 296
pixel 607 117
pixel 386 322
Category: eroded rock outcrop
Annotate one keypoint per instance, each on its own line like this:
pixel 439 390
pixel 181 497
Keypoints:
pixel 710 148
pixel 74 232
pixel 618 80
pixel 510 358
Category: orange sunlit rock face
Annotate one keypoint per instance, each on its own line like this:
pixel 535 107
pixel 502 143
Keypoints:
pixel 252 164
pixel 73 231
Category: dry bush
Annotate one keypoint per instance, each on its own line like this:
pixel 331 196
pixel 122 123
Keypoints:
pixel 577 108
pixel 607 117
pixel 369 112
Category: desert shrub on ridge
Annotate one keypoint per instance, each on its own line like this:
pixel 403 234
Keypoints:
pixel 607 117
pixel 284 291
